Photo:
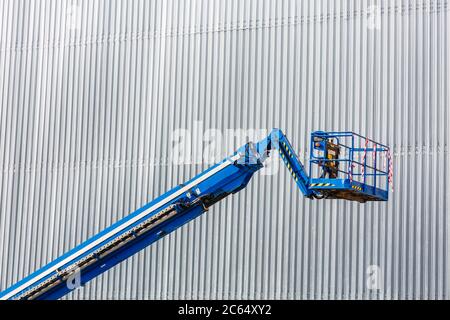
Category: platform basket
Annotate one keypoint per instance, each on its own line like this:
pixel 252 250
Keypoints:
pixel 346 165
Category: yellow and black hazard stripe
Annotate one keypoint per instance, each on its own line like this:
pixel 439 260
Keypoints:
pixel 288 150
pixel 321 185
pixel 357 188
pixel 288 165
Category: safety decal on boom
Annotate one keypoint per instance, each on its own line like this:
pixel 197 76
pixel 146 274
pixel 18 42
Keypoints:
pixel 321 185
pixel 357 188
pixel 288 150
pixel 288 165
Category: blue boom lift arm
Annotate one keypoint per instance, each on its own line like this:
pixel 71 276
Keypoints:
pixel 160 217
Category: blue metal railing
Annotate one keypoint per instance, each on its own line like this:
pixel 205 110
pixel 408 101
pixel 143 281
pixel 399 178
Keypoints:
pixel 358 152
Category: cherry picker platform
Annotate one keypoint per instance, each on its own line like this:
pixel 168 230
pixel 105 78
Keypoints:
pixel 346 165
pixel 342 165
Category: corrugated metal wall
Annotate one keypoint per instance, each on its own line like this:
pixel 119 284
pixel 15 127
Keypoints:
pixel 90 92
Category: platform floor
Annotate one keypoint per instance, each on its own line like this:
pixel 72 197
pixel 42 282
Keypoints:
pixel 351 195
